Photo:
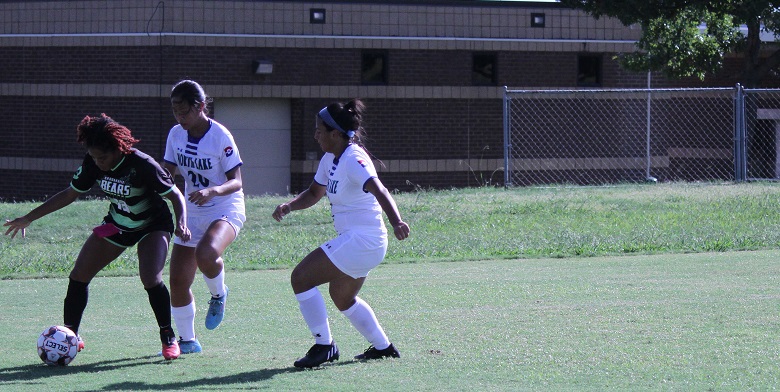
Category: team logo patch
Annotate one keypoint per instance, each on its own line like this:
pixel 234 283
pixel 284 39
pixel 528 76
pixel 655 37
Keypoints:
pixel 362 162
pixel 228 151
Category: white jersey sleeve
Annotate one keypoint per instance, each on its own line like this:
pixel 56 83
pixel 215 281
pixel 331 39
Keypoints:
pixel 321 176
pixel 170 155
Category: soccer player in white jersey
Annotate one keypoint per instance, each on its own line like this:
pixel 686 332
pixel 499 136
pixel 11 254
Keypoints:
pixel 357 197
pixel 205 154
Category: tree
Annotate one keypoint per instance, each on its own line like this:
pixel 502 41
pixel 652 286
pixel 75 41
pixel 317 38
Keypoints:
pixel 683 38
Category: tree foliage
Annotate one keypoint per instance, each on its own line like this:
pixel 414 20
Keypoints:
pixel 684 38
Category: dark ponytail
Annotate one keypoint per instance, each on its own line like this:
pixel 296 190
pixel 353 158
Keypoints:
pixel 349 117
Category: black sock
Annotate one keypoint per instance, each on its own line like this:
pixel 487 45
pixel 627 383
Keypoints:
pixel 75 303
pixel 160 299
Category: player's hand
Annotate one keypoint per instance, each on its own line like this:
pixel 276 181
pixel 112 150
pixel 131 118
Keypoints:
pixel 401 230
pixel 280 211
pixel 14 226
pixel 183 232
pixel 201 197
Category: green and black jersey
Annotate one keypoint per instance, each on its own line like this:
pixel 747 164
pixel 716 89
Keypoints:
pixel 134 187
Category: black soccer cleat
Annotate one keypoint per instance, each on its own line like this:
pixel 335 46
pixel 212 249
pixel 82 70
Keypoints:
pixel 317 355
pixel 373 353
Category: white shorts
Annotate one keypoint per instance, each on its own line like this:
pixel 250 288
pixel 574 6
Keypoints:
pixel 356 253
pixel 199 224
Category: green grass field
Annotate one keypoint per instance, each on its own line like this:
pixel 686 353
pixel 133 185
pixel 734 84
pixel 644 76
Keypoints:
pixel 666 287
pixel 456 225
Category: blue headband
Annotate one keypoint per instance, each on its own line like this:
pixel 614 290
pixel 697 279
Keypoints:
pixel 325 116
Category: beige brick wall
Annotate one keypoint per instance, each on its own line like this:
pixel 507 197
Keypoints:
pixel 256 23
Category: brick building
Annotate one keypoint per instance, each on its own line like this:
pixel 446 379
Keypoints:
pixel 431 72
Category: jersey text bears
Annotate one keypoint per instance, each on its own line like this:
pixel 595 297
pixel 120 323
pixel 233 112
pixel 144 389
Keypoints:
pixel 114 187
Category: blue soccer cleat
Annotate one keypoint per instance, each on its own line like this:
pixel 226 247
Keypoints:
pixel 186 347
pixel 190 346
pixel 216 310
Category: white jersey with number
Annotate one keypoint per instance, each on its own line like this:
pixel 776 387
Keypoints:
pixel 351 206
pixel 203 163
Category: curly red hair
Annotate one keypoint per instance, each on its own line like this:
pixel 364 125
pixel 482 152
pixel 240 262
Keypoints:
pixel 106 134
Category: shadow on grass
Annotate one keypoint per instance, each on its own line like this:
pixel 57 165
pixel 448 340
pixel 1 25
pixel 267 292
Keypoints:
pixel 29 375
pixel 236 381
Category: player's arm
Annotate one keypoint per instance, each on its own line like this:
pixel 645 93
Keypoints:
pixel 386 201
pixel 304 200
pixel 171 168
pixel 54 203
pixel 232 185
pixel 180 211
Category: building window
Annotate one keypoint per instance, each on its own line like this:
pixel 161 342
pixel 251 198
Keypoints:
pixel 483 69
pixel 537 20
pixel 589 70
pixel 373 68
pixel 317 15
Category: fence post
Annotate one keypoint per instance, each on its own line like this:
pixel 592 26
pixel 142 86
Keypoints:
pixel 648 177
pixel 507 141
pixel 740 153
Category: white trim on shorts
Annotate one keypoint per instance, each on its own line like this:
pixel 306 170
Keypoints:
pixel 199 224
pixel 356 253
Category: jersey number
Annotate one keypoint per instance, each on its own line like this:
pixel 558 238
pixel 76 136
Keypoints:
pixel 198 180
pixel 122 206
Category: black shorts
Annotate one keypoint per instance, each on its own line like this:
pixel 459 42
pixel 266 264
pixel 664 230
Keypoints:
pixel 127 239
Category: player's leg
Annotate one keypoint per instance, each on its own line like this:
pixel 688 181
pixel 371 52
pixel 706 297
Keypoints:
pixel 355 254
pixel 152 253
pixel 182 275
pixel 208 254
pixel 314 270
pixel 343 291
pixel 95 254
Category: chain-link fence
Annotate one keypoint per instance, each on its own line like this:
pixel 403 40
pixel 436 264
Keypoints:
pixel 590 137
pixel 760 143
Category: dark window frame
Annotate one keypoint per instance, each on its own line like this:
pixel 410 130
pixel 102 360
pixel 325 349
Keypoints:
pixel 541 17
pixel 590 70
pixel 479 61
pixel 368 59
pixel 314 12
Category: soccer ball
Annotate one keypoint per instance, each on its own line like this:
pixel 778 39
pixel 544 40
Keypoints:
pixel 57 345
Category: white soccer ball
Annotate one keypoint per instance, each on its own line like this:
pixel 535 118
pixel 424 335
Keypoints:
pixel 57 346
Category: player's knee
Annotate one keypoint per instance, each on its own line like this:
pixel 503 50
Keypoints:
pixel 342 302
pixel 206 255
pixel 80 275
pixel 150 280
pixel 298 279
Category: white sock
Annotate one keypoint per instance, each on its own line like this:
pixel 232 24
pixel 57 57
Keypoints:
pixel 184 317
pixel 216 284
pixel 364 320
pixel 315 314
